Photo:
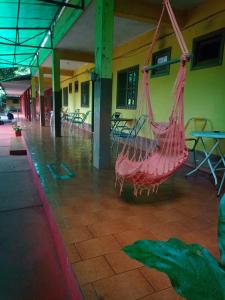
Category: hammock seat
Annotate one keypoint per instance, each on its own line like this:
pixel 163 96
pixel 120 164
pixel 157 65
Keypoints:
pixel 147 162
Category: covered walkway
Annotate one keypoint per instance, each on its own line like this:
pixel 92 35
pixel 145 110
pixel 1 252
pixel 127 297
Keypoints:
pixel 64 223
pixel 30 267
pixel 95 222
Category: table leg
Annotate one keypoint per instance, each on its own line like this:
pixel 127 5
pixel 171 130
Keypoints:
pixel 221 155
pixel 207 155
pixel 223 168
pixel 221 184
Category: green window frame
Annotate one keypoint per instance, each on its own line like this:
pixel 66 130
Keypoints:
pixel 158 57
pixel 208 50
pixel 76 86
pixel 70 88
pixel 65 96
pixel 127 88
pixel 85 87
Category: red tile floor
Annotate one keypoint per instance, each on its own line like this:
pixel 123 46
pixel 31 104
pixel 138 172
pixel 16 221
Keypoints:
pixel 96 222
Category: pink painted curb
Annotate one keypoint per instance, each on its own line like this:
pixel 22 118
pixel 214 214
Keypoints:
pixel 71 281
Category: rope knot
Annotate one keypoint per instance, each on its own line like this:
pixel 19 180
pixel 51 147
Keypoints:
pixel 185 57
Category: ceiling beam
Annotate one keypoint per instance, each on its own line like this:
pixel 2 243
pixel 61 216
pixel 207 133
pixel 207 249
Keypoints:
pixel 62 4
pixel 24 28
pixel 25 46
pixel 47 81
pixel 76 55
pixel 63 72
pixel 10 54
pixel 144 11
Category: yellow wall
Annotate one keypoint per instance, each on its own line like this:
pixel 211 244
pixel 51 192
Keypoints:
pixel 74 99
pixel 205 88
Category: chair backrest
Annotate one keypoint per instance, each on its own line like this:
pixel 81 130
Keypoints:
pixel 65 111
pixel 84 117
pixel 139 123
pixel 196 124
pixel 116 115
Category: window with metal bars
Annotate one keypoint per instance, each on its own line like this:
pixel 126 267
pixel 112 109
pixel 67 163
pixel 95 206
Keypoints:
pixel 85 94
pixel 65 96
pixel 70 88
pixel 76 85
pixel 127 88
pixel 208 50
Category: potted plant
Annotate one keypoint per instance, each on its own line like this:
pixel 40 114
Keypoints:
pixel 17 130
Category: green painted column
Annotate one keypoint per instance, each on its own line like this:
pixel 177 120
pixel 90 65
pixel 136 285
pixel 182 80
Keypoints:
pixel 103 83
pixel 41 95
pixel 57 101
pixel 33 98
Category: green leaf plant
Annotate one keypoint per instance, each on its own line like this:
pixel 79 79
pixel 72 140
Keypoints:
pixel 193 271
pixel 17 127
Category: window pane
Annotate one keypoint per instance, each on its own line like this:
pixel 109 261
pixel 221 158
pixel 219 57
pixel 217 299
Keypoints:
pixel 70 88
pixel 76 84
pixel 160 57
pixel 127 83
pixel 85 94
pixel 121 89
pixel 208 50
pixel 65 96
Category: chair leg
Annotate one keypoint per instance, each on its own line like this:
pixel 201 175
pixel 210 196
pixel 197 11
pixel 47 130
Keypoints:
pixel 221 184
pixel 194 157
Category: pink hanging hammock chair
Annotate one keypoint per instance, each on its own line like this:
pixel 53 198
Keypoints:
pixel 147 162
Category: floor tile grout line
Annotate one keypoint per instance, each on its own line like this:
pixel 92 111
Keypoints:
pixel 14 171
pixel 89 230
pixel 139 270
pixel 118 274
pixel 116 232
pixel 109 264
pixel 75 248
pixel 20 208
pixel 92 257
pixel 96 294
pixel 80 256
pixel 90 282
pixel 98 238
pixel 117 240
pixel 157 292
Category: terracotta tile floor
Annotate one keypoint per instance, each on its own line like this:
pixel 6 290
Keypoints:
pixel 96 222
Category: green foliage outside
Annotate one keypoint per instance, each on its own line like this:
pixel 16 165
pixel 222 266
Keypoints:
pixel 13 73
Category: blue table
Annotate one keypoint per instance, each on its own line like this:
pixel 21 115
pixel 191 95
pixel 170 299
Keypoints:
pixel 217 136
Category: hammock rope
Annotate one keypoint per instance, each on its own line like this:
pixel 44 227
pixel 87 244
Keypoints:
pixel 147 161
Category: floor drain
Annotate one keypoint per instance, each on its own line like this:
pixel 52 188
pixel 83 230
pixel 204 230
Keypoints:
pixel 55 171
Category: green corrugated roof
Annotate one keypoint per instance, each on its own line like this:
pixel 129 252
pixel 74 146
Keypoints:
pixel 24 24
